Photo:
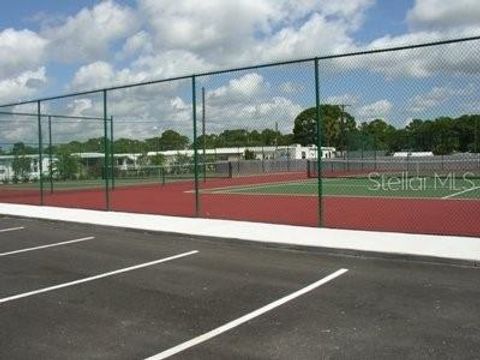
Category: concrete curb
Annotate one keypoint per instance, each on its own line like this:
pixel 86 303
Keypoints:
pixel 432 248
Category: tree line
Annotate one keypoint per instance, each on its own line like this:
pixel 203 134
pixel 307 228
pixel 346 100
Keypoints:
pixel 339 129
pixel 442 136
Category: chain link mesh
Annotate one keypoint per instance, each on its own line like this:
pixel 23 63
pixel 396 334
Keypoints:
pixel 395 135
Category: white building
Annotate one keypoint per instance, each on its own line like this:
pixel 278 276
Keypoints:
pixel 6 167
pixel 296 152
pixel 292 152
pixel 126 161
pixel 405 154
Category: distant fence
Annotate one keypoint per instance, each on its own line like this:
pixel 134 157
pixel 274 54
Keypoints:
pixel 440 166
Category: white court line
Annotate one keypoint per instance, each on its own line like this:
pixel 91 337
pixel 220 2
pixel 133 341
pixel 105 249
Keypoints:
pixel 12 229
pixel 232 324
pixel 96 277
pixel 460 192
pixel 46 246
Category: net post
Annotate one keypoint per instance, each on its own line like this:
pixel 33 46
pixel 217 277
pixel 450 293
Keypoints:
pixel 106 157
pixel 50 153
pixel 112 158
pixel 40 146
pixel 195 147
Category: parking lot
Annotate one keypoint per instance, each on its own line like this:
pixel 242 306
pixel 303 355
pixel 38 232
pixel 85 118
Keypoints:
pixel 72 291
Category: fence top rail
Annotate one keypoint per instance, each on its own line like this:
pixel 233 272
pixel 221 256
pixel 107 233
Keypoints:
pixel 53 116
pixel 395 161
pixel 252 67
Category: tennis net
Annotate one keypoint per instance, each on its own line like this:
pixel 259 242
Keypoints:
pixel 174 171
pixel 400 167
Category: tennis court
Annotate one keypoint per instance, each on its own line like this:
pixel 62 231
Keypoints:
pixel 73 291
pixel 296 155
pixel 429 199
pixel 429 188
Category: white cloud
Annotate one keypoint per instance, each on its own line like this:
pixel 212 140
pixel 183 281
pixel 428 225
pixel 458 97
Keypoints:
pixel 137 44
pixel 20 51
pixel 346 99
pixel 433 98
pixel 93 75
pixel 228 33
pixel 441 14
pixel 178 104
pixel 439 95
pixel 378 110
pixel 88 35
pixel 163 38
pixel 78 107
pixel 316 36
pixel 184 36
pixel 238 90
pixel 246 101
pixel 207 26
pixel 459 58
pixel 24 85
pixel 181 37
pixel 290 87
pixel 429 21
pixel 250 102
pixel 169 64
pixel 102 74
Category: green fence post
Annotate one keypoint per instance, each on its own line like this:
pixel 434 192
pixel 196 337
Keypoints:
pixel 195 147
pixel 362 149
pixel 106 157
pixel 50 152
pixel 475 142
pixel 40 146
pixel 476 135
pixel 319 144
pixel 112 158
pixel 204 140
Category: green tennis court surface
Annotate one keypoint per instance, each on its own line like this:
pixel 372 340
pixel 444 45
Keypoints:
pixel 428 188
pixel 347 187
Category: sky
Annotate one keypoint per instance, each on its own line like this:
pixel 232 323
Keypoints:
pixel 52 47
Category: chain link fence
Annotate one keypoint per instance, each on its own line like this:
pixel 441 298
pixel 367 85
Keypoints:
pixel 386 139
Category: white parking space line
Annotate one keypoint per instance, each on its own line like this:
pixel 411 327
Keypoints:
pixel 228 326
pixel 46 246
pixel 12 229
pixel 96 277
